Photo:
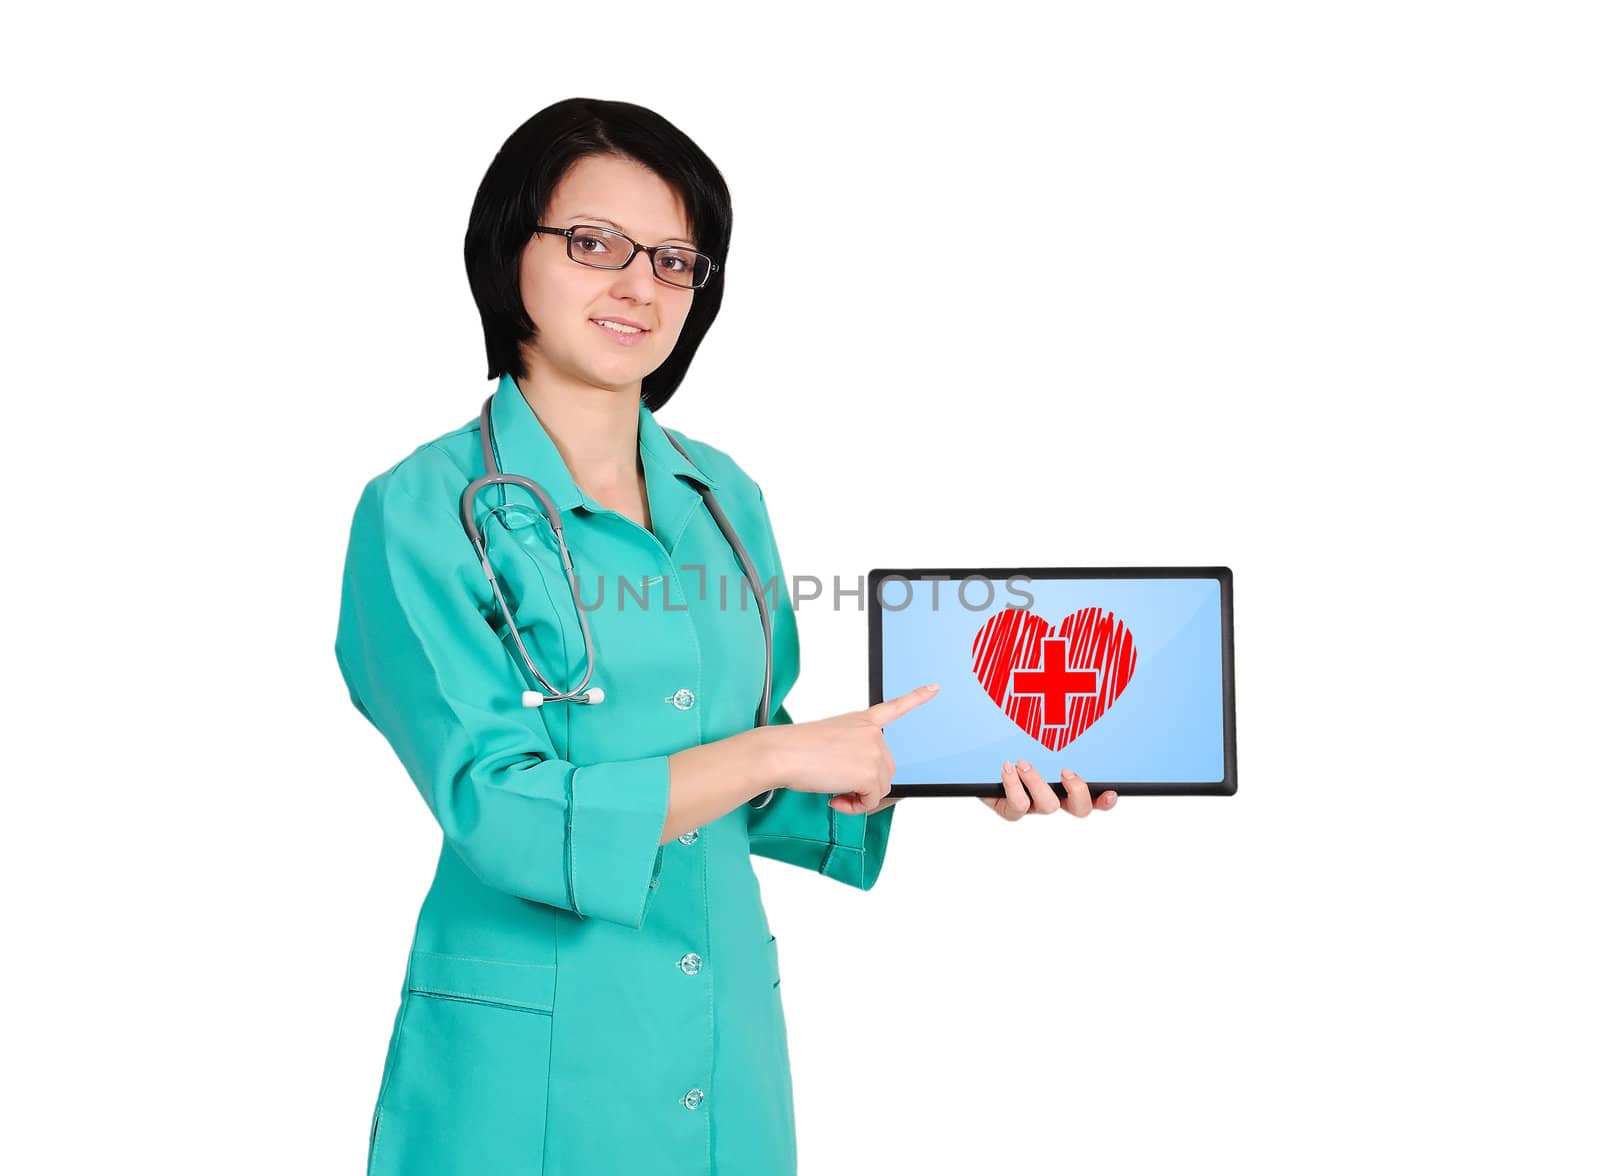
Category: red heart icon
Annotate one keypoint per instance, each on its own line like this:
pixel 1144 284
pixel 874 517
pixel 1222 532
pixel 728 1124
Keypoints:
pixel 1054 683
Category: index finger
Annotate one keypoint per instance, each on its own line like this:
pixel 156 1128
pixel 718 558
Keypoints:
pixel 890 709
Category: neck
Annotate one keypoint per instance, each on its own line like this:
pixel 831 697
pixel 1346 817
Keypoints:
pixel 595 429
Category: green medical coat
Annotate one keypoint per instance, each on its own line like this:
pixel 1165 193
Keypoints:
pixel 580 999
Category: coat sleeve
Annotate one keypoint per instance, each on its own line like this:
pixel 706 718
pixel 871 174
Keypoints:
pixel 801 828
pixel 426 667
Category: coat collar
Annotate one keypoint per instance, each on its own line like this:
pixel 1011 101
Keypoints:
pixel 523 446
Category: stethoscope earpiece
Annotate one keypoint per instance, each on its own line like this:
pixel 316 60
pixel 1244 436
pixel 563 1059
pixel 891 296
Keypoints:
pixel 593 696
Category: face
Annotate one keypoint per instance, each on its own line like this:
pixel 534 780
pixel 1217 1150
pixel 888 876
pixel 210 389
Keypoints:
pixel 564 298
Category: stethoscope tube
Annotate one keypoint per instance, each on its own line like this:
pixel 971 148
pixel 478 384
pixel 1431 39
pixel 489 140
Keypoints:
pixel 583 692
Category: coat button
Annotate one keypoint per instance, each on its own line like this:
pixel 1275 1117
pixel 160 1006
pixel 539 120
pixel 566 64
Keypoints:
pixel 690 964
pixel 690 837
pixel 683 699
pixel 655 884
pixel 693 1099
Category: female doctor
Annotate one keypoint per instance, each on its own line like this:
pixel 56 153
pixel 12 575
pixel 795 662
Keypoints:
pixel 592 986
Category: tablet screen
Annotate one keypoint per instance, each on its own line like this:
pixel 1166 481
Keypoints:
pixel 1118 678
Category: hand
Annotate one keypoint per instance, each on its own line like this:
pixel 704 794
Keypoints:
pixel 845 755
pixel 1017 802
pixel 852 804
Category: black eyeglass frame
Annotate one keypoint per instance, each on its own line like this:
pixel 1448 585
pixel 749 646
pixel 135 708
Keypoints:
pixel 635 248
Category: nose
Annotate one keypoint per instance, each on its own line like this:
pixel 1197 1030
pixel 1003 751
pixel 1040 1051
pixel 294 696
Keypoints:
pixel 637 279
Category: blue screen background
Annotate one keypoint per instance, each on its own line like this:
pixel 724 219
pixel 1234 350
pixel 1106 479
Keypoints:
pixel 1165 727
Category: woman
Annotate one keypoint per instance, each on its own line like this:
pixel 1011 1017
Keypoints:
pixel 593 987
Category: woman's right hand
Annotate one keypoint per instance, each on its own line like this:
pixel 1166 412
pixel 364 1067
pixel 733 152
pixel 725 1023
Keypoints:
pixel 845 755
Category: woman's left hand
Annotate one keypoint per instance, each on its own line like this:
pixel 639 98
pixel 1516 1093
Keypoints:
pixel 1039 798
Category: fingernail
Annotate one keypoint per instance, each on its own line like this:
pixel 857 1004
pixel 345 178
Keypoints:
pixel 931 686
pixel 1005 766
pixel 1024 765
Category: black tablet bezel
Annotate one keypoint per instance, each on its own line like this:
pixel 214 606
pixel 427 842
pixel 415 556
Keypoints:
pixel 1226 786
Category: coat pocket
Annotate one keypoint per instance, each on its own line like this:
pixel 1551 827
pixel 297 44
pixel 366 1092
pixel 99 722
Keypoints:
pixel 469 1088
pixel 772 959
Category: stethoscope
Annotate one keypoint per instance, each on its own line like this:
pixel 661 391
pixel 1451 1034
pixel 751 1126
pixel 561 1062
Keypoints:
pixel 583 692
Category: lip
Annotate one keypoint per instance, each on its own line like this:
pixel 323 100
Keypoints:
pixel 619 339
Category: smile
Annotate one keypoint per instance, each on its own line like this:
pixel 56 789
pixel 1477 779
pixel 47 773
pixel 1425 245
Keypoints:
pixel 626 336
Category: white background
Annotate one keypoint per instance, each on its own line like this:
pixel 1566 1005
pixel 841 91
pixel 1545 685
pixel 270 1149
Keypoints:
pixel 1319 304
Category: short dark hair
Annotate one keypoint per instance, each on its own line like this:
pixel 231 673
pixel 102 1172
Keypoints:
pixel 514 193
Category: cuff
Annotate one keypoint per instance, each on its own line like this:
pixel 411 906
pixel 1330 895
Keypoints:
pixel 614 849
pixel 859 843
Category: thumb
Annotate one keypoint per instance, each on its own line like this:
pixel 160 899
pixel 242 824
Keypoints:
pixel 890 709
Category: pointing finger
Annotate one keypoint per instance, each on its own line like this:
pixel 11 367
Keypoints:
pixel 890 709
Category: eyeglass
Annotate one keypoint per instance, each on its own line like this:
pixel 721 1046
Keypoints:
pixel 677 265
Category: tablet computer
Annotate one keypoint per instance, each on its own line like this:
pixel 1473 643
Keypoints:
pixel 1123 675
